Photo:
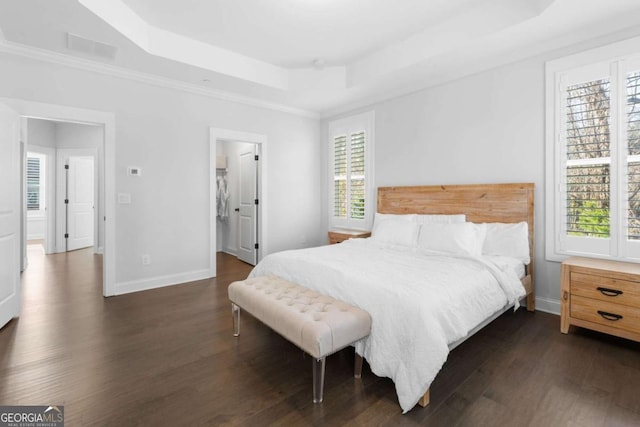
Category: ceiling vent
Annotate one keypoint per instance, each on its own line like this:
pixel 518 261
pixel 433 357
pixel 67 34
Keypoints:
pixel 90 47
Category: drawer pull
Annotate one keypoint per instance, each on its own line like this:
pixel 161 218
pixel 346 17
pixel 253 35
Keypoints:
pixel 609 316
pixel 609 292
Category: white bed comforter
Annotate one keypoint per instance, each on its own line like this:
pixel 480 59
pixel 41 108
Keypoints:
pixel 418 303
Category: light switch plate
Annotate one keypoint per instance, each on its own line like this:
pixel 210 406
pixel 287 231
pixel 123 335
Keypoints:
pixel 124 198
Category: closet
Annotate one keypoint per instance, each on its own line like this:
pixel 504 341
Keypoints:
pixel 222 203
pixel 222 188
pixel 237 199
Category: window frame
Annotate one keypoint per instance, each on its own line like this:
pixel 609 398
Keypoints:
pixel 349 126
pixel 615 62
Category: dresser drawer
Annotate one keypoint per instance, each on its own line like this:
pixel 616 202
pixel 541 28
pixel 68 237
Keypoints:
pixel 606 313
pixel 605 289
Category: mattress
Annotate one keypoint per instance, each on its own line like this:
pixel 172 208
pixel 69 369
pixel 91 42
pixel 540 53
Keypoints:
pixel 507 263
pixel 419 304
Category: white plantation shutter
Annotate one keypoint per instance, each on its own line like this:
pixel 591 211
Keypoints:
pixel 33 183
pixel 633 155
pixel 351 158
pixel 357 185
pixel 596 141
pixel 340 168
pixel 588 159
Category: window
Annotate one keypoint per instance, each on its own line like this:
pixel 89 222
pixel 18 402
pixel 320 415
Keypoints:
pixel 593 149
pixel 35 182
pixel 350 172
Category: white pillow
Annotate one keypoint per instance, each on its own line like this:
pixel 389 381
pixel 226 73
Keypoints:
pixel 481 235
pixel 456 239
pixel 396 232
pixel 378 218
pixel 402 234
pixel 422 219
pixel 440 219
pixel 508 240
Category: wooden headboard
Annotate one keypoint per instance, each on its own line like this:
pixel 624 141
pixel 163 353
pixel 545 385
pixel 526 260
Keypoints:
pixel 479 202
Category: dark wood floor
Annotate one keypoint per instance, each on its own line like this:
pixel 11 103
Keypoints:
pixel 167 357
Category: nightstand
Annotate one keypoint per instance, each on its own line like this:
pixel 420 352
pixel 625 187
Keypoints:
pixel 601 295
pixel 339 235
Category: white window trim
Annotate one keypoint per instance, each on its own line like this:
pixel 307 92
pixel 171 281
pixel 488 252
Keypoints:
pixel 627 54
pixel 362 121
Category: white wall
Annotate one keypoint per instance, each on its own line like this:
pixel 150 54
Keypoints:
pixel 41 132
pixel 41 139
pixel 35 227
pixel 485 128
pixel 166 133
pixel 75 135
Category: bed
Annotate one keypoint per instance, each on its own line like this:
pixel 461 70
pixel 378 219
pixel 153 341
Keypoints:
pixel 422 303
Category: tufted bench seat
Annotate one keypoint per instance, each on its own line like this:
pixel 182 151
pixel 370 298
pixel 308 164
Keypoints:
pixel 318 324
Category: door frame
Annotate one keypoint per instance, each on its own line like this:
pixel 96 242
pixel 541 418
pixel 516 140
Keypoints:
pixel 229 135
pixel 50 180
pixel 107 121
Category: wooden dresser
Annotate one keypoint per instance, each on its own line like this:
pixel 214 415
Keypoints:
pixel 339 235
pixel 601 295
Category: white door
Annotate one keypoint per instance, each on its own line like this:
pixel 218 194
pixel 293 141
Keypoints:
pixel 10 184
pixel 80 214
pixel 247 223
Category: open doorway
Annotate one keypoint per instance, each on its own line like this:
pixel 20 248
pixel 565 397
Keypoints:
pixel 36 196
pixel 237 200
pixel 106 167
pixel 63 190
pixel 64 185
pixel 240 158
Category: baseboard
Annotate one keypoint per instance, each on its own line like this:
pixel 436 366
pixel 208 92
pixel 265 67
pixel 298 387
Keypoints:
pixel 548 305
pixel 160 281
pixel 230 251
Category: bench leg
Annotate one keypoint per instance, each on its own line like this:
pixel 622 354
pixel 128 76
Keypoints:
pixel 235 313
pixel 318 379
pixel 357 371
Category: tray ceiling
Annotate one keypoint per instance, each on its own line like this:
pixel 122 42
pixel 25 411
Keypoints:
pixel 320 56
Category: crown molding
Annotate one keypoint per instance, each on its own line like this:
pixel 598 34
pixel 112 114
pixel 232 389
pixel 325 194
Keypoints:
pixel 150 79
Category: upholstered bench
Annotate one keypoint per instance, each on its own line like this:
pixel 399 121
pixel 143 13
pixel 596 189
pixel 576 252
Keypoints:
pixel 318 324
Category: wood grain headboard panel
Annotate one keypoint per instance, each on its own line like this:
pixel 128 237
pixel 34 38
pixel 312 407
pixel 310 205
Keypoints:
pixel 479 202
